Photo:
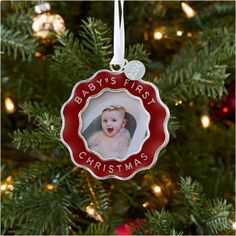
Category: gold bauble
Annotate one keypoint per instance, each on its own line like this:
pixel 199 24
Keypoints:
pixel 47 26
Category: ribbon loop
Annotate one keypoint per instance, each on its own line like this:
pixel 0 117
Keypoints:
pixel 118 36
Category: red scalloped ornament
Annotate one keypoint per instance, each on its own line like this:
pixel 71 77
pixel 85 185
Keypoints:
pixel 149 134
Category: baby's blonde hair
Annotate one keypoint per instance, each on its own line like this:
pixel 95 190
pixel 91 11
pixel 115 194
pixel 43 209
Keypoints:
pixel 115 108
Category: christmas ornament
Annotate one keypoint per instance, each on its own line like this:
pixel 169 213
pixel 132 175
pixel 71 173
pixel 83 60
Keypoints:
pixel 46 25
pixel 224 109
pixel 129 226
pixel 114 123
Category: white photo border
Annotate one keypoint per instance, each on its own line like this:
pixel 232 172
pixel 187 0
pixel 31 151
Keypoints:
pixel 113 91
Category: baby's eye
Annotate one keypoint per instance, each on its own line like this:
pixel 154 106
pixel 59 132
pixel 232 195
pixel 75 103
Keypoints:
pixel 105 121
pixel 114 120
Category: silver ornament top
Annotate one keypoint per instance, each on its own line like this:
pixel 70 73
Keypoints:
pixel 134 70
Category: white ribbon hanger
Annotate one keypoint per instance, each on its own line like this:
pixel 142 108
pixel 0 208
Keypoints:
pixel 118 36
pixel 133 70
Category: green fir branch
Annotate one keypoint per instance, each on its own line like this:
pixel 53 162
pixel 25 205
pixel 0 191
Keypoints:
pixel 69 192
pixel 31 186
pixel 222 181
pixel 217 217
pixel 86 192
pixel 192 194
pixel 214 13
pixel 173 125
pixel 199 69
pixel 19 22
pixel 195 71
pixel 34 109
pixel 35 140
pixel 67 57
pixel 174 233
pixel 40 212
pixel 38 175
pixel 222 44
pixel 76 58
pixel 137 52
pixel 96 43
pixel 97 195
pixel 31 140
pixel 205 216
pixel 45 135
pixel 160 223
pixel 16 44
pixel 96 229
pixel 22 6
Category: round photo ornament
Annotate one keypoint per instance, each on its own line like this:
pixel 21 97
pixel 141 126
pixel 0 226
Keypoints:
pixel 114 124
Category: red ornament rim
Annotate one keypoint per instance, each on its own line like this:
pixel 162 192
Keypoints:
pixel 146 157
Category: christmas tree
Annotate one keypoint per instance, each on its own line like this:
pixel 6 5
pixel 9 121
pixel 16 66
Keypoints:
pixel 188 50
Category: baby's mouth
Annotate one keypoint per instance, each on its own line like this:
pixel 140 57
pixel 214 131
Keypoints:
pixel 109 130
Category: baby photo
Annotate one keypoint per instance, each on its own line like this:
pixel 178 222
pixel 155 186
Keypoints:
pixel 114 139
pixel 114 125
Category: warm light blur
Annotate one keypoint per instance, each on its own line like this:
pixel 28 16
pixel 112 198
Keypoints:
pixel 93 213
pixel 189 34
pixel 90 210
pixel 50 186
pixel 9 179
pixel 157 35
pixel 156 189
pixel 205 120
pixel 178 102
pixel 225 109
pixel 7 184
pixel 234 225
pixel 3 187
pixel 145 204
pixel 191 104
pixel 179 33
pixel 9 105
pixel 188 10
pixel 10 187
pixel 145 35
pixel 38 54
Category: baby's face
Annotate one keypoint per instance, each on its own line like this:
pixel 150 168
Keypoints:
pixel 112 122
